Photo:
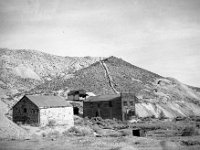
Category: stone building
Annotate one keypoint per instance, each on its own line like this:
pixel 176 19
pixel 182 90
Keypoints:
pixel 41 110
pixel 118 106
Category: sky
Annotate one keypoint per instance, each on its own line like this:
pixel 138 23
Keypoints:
pixel 162 36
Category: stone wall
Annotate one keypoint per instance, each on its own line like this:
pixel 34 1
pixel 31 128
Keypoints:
pixel 60 115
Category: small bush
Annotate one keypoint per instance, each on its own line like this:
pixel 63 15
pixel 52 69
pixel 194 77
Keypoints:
pixel 78 121
pixel 115 134
pixel 78 131
pixel 44 134
pixel 190 142
pixel 54 134
pixel 19 123
pixel 161 115
pixel 51 123
pixel 189 131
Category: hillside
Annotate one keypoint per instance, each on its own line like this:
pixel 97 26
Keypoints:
pixel 94 78
pixel 22 70
pixel 112 75
pixel 37 72
pixel 124 77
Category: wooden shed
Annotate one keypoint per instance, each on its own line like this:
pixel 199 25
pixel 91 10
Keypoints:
pixel 77 95
pixel 40 110
pixel 118 106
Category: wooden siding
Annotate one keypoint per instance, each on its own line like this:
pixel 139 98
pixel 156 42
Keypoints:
pixel 128 105
pixel 122 108
pixel 26 112
pixel 105 109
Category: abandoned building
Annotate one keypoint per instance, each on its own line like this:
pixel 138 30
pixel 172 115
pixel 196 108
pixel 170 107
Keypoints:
pixel 41 110
pixel 77 95
pixel 118 106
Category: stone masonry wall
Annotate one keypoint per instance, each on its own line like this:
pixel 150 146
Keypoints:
pixel 61 115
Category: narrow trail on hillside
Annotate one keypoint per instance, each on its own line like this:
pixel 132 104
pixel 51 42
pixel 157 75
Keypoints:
pixel 107 75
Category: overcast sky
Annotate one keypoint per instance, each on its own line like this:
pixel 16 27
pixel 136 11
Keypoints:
pixel 162 36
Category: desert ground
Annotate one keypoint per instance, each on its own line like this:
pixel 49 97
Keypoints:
pixel 99 134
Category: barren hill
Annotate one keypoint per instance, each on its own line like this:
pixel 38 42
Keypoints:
pixel 112 75
pixel 96 78
pixel 24 69
pixel 44 73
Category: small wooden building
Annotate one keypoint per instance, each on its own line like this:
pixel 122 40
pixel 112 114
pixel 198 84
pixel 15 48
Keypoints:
pixel 40 110
pixel 77 95
pixel 118 106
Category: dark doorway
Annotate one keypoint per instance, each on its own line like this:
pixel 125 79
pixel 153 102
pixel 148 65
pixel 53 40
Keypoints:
pixel 76 111
pixel 97 114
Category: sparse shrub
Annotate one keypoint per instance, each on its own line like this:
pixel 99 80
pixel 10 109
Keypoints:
pixel 66 133
pixel 116 148
pixel 189 131
pixel 161 115
pixel 125 132
pixel 44 134
pixel 78 131
pixel 78 121
pixel 53 134
pixel 115 134
pixel 190 142
pixel 51 123
pixel 19 123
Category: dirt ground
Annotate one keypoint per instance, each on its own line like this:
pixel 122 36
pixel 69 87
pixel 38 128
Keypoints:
pixel 98 134
pixel 98 143
pixel 87 143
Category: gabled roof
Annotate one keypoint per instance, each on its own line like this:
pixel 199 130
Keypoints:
pixel 48 101
pixel 102 98
pixel 80 92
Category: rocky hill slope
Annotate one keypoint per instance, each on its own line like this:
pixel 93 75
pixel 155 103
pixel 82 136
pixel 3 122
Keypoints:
pixel 24 69
pixel 122 75
pixel 156 94
pixel 44 73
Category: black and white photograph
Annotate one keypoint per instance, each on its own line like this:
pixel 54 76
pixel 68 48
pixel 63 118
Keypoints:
pixel 99 74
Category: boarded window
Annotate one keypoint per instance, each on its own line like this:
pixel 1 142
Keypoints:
pixel 131 103
pixel 25 110
pixel 110 104
pixel 125 103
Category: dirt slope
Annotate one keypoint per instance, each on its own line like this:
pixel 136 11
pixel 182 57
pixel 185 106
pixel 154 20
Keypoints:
pixel 8 129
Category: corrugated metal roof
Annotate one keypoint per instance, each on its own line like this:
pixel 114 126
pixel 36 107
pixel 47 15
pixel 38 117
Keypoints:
pixel 48 101
pixel 102 98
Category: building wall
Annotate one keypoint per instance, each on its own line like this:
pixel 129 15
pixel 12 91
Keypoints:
pixel 74 97
pixel 128 105
pixel 105 109
pixel 26 112
pixel 61 115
